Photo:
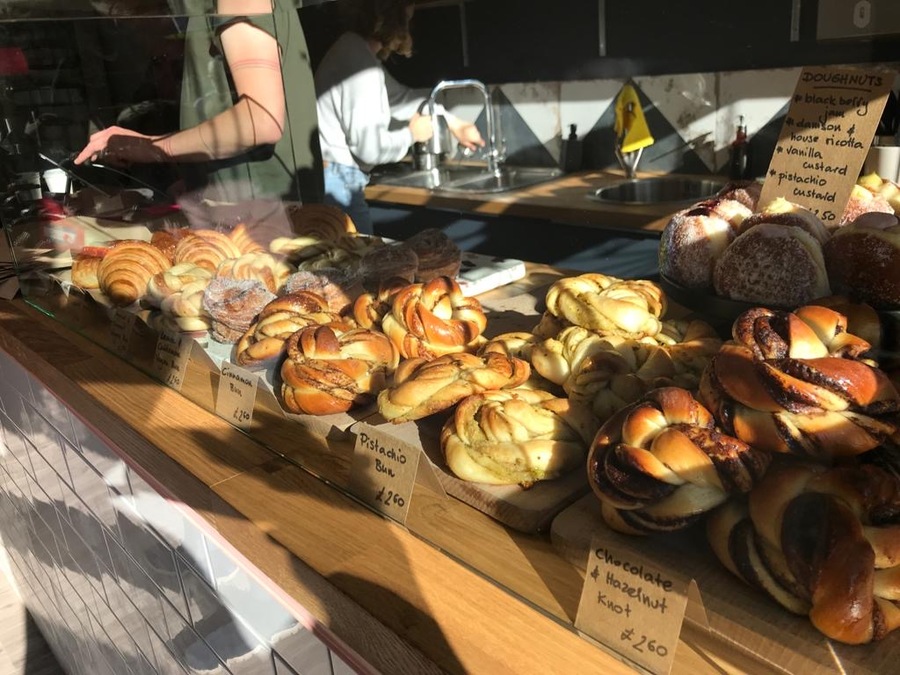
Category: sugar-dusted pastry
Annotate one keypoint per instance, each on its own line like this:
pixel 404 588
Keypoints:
pixel 329 371
pixel 864 201
pixel 422 387
pixel 233 304
pixel 773 264
pixel 863 260
pixel 660 463
pixel 206 248
pixel 694 238
pixel 434 318
pixel 265 338
pixel 127 268
pixel 516 436
pixel 746 192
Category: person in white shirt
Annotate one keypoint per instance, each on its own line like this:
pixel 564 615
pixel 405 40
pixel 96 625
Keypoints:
pixel 359 104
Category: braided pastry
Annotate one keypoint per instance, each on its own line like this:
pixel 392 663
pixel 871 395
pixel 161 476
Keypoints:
pixel 206 248
pixel 604 303
pixel 690 344
pixel 264 267
pixel 244 240
pixel 319 220
pixel 184 309
pixel 338 286
pixel 172 281
pixel 434 318
pixel 369 309
pixel 126 269
pixel 659 464
pixel 521 345
pixel 330 371
pixel 808 332
pixel 516 437
pixel 824 406
pixel 820 542
pixel 619 373
pixel 422 387
pixel 281 318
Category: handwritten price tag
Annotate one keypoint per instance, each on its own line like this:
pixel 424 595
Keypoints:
pixel 170 361
pixel 383 474
pixel 237 395
pixel 825 138
pixel 631 605
pixel 120 331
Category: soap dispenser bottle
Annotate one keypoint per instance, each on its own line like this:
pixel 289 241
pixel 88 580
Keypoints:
pixel 570 159
pixel 739 163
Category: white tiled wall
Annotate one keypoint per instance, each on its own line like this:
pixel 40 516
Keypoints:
pixel 120 580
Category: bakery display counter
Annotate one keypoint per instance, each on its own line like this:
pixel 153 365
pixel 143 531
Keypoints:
pixel 404 599
pixel 568 199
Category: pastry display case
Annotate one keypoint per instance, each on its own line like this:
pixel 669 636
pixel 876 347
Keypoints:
pixel 544 429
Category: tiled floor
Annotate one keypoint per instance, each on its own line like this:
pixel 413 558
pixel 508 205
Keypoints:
pixel 23 650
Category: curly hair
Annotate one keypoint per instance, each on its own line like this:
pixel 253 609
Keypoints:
pixel 384 20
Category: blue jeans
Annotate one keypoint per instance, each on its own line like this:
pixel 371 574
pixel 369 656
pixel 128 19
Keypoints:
pixel 344 188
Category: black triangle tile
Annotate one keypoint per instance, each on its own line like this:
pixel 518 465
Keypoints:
pixel 523 147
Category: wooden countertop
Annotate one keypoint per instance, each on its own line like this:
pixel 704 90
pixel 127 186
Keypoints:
pixel 462 594
pixel 564 199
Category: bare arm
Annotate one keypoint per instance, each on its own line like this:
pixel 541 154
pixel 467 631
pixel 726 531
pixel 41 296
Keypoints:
pixel 257 118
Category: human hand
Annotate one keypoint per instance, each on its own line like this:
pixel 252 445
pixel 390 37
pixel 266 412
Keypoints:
pixel 120 147
pixel 421 128
pixel 468 135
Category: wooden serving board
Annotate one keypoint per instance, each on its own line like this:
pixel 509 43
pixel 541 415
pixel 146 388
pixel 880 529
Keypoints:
pixel 729 611
pixel 530 510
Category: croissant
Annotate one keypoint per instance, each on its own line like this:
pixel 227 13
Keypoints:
pixel 516 436
pixel 126 269
pixel 820 542
pixel 206 248
pixel 435 318
pixel 825 407
pixel 659 464
pixel 604 303
pixel 423 387
pixel 85 266
pixel 330 371
pixel 322 221
pixel 279 320
pixel 244 240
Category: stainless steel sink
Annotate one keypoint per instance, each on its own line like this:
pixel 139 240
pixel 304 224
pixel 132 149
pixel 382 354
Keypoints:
pixel 659 190
pixel 469 179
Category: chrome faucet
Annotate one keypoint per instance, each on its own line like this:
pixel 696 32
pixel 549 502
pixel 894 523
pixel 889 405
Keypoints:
pixel 493 154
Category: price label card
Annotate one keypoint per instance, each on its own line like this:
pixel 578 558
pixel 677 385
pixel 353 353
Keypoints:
pixel 383 473
pixel 237 395
pixel 170 361
pixel 120 331
pixel 632 605
pixel 826 135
